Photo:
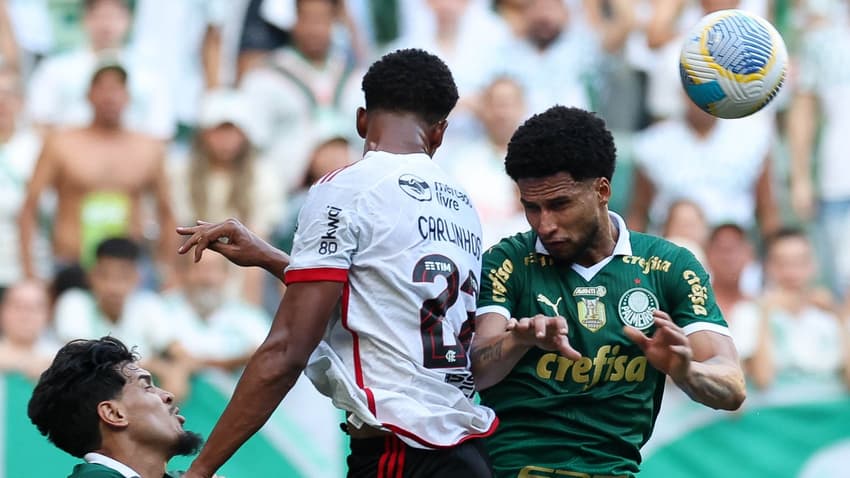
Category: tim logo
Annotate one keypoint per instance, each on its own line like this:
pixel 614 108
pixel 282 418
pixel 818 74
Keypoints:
pixel 415 187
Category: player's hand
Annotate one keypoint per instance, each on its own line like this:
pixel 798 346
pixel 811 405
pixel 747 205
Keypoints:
pixel 548 333
pixel 668 350
pixel 229 238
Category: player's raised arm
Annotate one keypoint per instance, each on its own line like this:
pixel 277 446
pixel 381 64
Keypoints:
pixel 235 242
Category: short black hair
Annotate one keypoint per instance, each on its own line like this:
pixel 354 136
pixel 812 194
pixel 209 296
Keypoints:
pixel 84 373
pixel 109 68
pixel 298 3
pixel 118 248
pixel 561 139
pixel 727 226
pixel 411 81
pixel 785 232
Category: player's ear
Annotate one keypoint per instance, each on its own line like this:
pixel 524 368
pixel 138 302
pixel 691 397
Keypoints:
pixel 603 190
pixel 362 122
pixel 435 135
pixel 112 413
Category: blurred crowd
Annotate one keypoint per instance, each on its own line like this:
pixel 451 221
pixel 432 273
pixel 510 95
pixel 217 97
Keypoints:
pixel 120 119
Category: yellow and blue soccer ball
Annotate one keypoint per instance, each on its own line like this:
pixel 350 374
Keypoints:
pixel 733 63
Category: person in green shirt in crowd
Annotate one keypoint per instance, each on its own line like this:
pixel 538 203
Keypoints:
pixel 96 403
pixel 580 320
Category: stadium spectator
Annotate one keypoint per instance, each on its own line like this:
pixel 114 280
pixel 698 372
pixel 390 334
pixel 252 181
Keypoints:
pixel 477 163
pixel 210 329
pixel 558 59
pixel 728 254
pixel 97 403
pixel 19 147
pixel 58 86
pixel 512 13
pixel 183 42
pixel 300 88
pixel 101 173
pixel 8 43
pixel 818 122
pixel 115 305
pixel 685 226
pixel 800 332
pixel 25 343
pixel 224 178
pixel 722 166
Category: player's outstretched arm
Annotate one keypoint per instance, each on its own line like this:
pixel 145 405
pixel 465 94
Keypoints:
pixel 703 364
pixel 235 242
pixel 298 327
pixel 498 344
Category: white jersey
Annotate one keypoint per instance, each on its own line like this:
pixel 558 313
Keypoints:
pixel 407 244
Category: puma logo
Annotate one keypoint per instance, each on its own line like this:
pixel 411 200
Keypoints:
pixel 545 300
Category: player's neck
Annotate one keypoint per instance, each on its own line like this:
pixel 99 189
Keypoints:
pixel 603 245
pixel 397 134
pixel 146 462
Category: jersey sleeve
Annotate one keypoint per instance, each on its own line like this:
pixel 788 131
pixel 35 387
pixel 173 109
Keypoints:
pixel 690 297
pixel 326 236
pixel 500 284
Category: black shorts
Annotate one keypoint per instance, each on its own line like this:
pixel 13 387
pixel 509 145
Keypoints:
pixel 389 457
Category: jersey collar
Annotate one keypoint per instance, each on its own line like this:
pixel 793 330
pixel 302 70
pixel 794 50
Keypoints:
pixel 116 465
pixel 623 247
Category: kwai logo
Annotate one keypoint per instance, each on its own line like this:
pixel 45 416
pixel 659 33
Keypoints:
pixel 415 187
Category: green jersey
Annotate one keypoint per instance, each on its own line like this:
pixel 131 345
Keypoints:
pixel 96 470
pixel 560 417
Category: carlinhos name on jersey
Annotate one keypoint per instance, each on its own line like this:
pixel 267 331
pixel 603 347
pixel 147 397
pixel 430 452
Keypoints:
pixel 441 229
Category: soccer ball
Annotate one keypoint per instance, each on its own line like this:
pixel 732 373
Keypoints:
pixel 732 63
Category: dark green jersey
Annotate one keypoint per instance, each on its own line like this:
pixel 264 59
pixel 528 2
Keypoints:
pixel 589 416
pixel 94 470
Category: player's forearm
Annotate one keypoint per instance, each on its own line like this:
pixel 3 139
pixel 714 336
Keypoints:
pixel 268 377
pixel 717 383
pixel 493 358
pixel 275 261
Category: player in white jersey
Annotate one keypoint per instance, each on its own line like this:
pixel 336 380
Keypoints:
pixel 381 294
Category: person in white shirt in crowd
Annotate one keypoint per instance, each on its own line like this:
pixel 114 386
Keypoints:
pixel 722 166
pixel 728 254
pixel 224 177
pixel 26 345
pixel 800 333
pixel 478 163
pixel 558 60
pixel 183 41
pixel 19 149
pixel 818 122
pixel 116 305
pixel 58 86
pixel 211 330
pixel 300 88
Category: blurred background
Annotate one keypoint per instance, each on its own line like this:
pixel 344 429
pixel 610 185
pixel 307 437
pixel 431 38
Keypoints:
pixel 122 118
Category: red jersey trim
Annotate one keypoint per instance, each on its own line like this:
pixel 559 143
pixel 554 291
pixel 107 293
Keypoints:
pixel 412 436
pixel 328 177
pixel 316 275
pixel 355 345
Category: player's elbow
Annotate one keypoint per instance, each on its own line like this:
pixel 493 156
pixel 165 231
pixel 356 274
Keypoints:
pixel 276 362
pixel 735 399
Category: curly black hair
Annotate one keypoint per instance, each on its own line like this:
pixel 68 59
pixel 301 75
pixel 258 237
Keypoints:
pixel 561 139
pixel 84 373
pixel 411 81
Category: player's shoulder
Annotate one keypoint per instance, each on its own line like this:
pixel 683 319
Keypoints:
pixel 649 246
pixel 94 470
pixel 513 247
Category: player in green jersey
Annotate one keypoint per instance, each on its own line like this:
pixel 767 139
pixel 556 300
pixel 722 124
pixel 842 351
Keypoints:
pixel 580 319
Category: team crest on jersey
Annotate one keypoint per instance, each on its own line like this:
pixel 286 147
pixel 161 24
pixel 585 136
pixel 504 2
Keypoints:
pixel 636 307
pixel 415 187
pixel 591 310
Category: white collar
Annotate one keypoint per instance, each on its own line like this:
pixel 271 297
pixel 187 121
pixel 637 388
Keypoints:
pixel 104 460
pixel 623 247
